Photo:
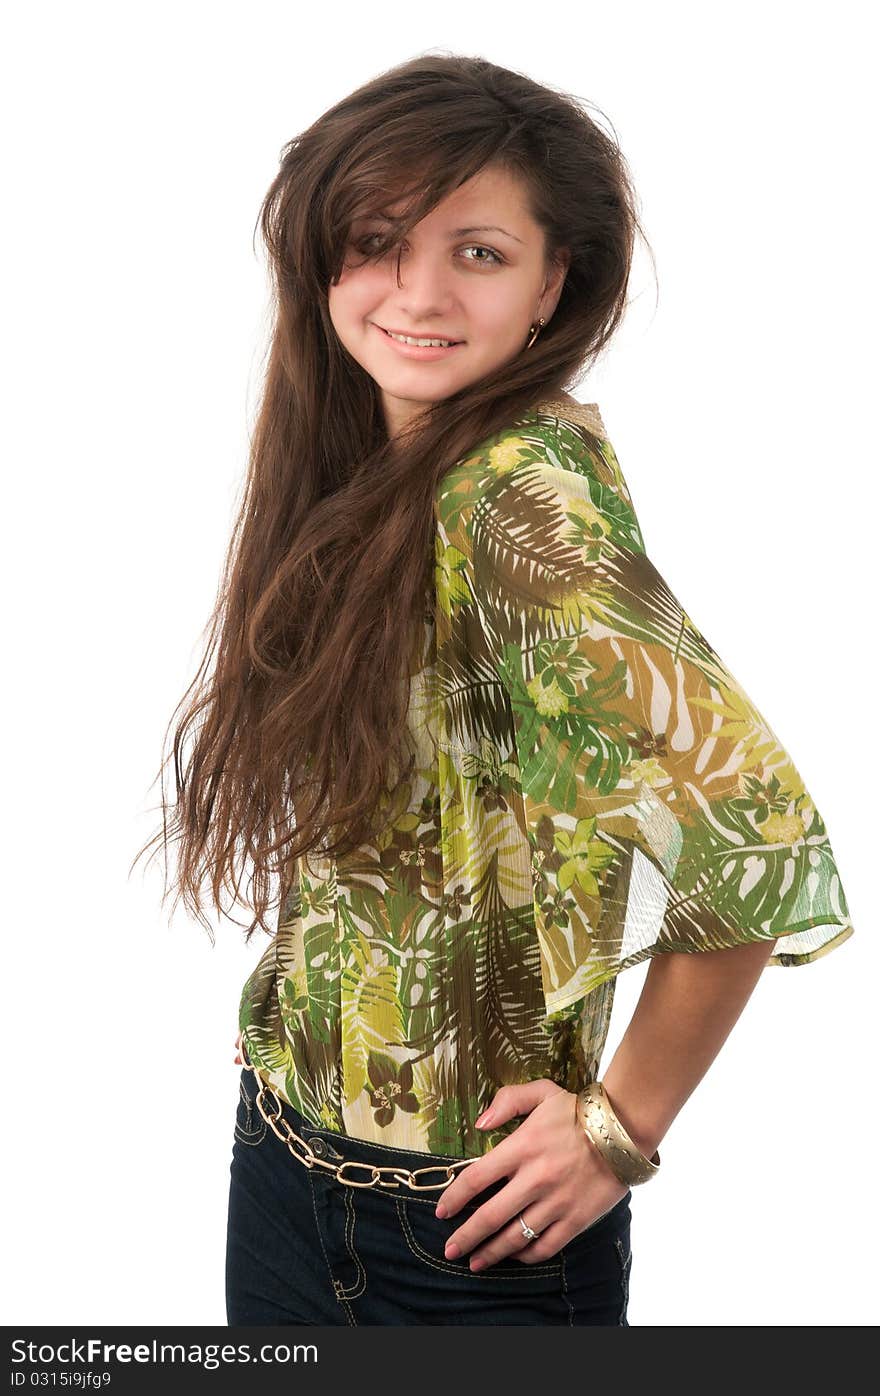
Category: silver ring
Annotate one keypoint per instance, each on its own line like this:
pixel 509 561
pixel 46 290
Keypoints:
pixel 527 1231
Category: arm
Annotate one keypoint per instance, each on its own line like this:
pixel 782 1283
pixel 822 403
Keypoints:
pixel 685 1012
pixel 652 811
pixel 687 1007
pixel 661 811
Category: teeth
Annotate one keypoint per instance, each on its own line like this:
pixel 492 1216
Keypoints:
pixel 422 343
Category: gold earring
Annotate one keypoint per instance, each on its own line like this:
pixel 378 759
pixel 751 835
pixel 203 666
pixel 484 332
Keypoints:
pixel 535 330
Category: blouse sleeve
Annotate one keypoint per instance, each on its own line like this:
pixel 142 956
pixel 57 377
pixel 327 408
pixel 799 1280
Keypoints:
pixel 661 811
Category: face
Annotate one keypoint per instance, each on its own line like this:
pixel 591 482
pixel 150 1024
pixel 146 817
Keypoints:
pixel 473 271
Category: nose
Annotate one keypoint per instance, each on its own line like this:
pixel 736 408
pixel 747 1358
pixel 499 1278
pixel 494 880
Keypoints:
pixel 427 283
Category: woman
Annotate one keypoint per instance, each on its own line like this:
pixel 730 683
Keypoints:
pixel 517 766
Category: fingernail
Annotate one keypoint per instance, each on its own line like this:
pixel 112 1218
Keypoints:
pixel 439 1210
pixel 483 1119
pixel 452 1250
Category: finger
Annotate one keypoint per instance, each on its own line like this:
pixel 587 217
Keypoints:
pixel 511 1241
pixel 509 1238
pixel 494 1215
pixel 548 1244
pixel 470 1181
pixel 504 1157
pixel 511 1101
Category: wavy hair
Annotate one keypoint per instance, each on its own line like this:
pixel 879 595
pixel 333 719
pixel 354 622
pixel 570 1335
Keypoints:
pixel 293 734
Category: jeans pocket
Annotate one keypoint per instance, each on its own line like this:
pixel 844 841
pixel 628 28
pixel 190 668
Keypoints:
pixel 250 1127
pixel 345 1231
pixel 426 1236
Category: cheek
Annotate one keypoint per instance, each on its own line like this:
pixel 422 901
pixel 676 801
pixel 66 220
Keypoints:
pixel 343 304
pixel 339 297
pixel 503 315
pixel 359 285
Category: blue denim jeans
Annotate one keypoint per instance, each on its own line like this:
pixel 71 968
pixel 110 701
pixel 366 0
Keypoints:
pixel 304 1248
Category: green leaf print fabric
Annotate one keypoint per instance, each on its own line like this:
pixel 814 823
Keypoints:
pixel 661 811
pixel 592 787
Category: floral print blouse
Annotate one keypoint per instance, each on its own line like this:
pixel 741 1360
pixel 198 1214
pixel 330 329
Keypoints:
pixel 592 787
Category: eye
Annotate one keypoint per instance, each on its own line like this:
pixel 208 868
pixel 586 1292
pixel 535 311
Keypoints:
pixel 365 245
pixel 494 255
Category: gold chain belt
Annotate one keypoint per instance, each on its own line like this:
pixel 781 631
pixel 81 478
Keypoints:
pixel 303 1152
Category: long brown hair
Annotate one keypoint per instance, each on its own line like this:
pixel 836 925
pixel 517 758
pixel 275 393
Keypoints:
pixel 297 715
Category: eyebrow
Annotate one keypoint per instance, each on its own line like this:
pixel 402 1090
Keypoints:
pixel 483 228
pixel 457 232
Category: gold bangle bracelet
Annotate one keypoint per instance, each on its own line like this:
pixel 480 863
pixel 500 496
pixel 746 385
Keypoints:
pixel 604 1130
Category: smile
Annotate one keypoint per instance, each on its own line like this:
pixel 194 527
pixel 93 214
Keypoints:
pixel 420 347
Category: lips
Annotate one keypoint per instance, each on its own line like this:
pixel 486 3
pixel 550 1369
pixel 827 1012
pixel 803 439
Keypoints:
pixel 411 334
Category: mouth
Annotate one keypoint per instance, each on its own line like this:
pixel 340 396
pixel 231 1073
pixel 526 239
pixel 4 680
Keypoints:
pixel 420 350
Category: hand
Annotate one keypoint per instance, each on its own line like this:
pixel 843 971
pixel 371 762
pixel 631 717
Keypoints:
pixel 557 1179
pixel 238 1059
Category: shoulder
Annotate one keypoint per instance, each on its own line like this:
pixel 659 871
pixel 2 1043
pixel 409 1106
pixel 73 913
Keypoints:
pixel 582 441
pixel 552 469
pixel 583 415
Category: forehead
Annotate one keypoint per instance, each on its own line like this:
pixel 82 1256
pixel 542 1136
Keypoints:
pixel 489 199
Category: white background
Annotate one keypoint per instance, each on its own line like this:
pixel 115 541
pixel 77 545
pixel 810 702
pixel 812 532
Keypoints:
pixel 139 141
